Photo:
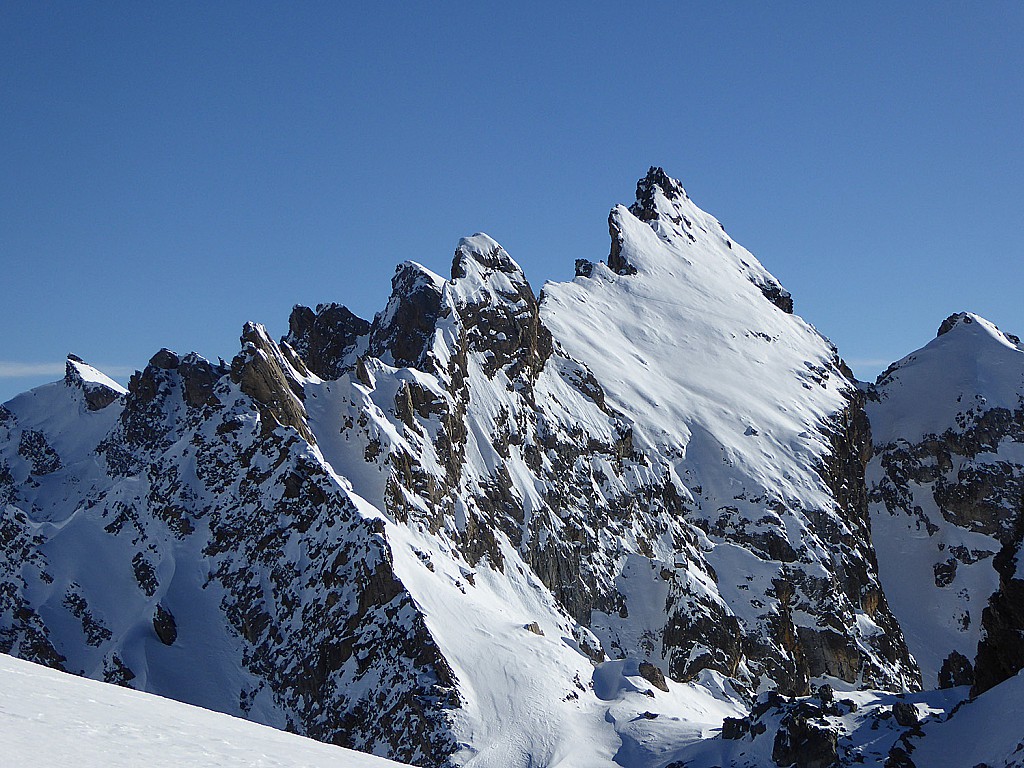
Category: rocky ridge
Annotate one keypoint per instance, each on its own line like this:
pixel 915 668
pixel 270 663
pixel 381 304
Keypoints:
pixel 636 492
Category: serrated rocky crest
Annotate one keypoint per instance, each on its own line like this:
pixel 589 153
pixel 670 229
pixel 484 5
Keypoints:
pixel 484 514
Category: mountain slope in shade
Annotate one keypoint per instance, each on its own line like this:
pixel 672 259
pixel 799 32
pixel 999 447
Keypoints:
pixel 947 483
pixel 50 718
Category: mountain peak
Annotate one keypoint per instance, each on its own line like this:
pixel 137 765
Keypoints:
pixel 658 195
pixel 657 180
pixel 970 364
pixel 688 235
pixel 965 320
pixel 485 251
pixel 99 389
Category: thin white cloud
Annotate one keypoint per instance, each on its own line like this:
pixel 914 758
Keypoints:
pixel 13 369
pixel 868 362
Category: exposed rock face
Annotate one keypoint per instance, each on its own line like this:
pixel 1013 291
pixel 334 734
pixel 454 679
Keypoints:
pixel 617 263
pixel 654 676
pixel 805 744
pixel 905 713
pixel 164 625
pixel 502 319
pixel 221 528
pixel 199 378
pixel 325 339
pixel 23 632
pixel 956 670
pixel 1001 650
pixel 399 335
pixel 33 448
pixel 263 373
pixel 97 390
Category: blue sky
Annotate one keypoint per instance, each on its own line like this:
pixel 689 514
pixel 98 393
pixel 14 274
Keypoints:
pixel 169 171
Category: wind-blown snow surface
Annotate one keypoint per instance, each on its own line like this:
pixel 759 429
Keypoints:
pixel 988 730
pixel 50 718
pixel 704 366
pixel 971 367
pixel 948 425
pixel 694 341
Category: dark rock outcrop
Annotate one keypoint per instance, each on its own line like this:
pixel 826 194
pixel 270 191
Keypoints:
pixel 504 322
pixel 617 262
pixel 97 395
pixel 263 373
pixel 805 743
pixel 905 713
pixel 164 625
pixel 199 378
pixel 1001 650
pixel 34 448
pixel 399 335
pixel 956 670
pixel 325 339
pixel 654 676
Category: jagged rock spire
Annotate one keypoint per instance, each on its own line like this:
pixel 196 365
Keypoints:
pixel 325 339
pixel 645 208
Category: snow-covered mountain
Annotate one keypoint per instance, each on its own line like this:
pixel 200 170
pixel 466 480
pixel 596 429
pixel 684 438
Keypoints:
pixel 947 500
pixel 491 528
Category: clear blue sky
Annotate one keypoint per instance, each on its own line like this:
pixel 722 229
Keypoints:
pixel 171 170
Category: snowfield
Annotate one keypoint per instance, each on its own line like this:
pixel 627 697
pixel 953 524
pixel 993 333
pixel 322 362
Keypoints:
pixel 50 718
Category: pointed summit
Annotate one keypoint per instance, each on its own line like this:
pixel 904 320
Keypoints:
pixel 99 389
pixel 485 251
pixel 498 308
pixel 483 272
pixel 970 365
pixel 646 206
pixel 690 239
pixel 964 320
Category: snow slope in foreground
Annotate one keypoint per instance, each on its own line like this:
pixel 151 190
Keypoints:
pixel 50 718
